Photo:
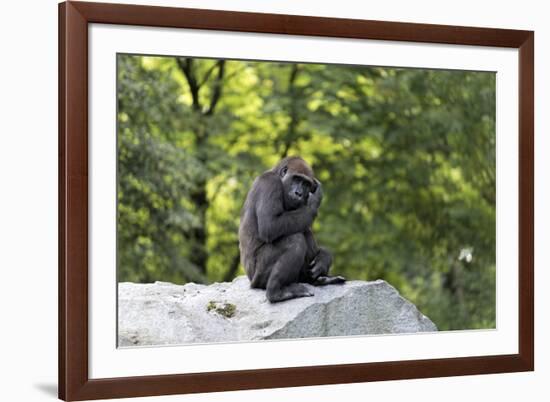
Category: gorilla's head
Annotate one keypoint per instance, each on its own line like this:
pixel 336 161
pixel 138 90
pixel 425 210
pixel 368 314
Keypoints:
pixel 298 181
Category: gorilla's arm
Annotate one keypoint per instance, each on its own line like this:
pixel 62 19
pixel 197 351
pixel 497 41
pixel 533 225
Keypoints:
pixel 273 221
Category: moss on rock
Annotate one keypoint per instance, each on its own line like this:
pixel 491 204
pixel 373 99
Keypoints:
pixel 226 310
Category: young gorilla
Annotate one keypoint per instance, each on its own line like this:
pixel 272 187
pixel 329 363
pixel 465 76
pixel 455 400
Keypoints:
pixel 278 250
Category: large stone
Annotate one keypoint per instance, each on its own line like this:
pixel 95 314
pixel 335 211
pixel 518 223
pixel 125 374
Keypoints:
pixel 164 313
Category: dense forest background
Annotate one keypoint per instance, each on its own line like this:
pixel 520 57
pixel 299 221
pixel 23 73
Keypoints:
pixel 406 158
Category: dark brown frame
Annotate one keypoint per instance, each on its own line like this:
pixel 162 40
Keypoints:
pixel 74 383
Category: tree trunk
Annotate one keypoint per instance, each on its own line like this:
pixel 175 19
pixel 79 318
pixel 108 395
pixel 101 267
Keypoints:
pixel 199 255
pixel 293 94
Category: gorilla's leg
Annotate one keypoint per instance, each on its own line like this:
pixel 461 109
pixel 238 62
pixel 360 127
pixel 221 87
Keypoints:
pixel 317 264
pixel 285 272
pixel 317 270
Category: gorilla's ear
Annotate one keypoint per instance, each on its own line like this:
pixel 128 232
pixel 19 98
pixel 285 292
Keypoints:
pixel 314 186
pixel 283 171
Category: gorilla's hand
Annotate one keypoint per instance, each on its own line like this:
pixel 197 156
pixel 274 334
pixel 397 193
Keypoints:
pixel 317 268
pixel 315 198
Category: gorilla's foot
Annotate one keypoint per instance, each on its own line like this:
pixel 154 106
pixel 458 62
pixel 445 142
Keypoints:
pixel 291 291
pixel 328 280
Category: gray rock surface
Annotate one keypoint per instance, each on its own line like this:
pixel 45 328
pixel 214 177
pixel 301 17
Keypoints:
pixel 167 314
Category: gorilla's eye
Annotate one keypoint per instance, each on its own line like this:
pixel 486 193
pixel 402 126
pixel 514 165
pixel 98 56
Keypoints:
pixel 283 171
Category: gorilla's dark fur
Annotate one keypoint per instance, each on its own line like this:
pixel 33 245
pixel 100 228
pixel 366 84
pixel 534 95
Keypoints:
pixel 278 250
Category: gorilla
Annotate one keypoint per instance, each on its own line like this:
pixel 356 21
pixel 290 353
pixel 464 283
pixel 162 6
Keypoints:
pixel 278 250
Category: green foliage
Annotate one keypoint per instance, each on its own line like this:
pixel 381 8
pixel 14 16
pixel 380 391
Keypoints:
pixel 406 157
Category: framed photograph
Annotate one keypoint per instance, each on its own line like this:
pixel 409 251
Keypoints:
pixel 259 200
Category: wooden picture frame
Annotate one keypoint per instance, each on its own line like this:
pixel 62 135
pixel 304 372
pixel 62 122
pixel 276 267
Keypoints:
pixel 74 381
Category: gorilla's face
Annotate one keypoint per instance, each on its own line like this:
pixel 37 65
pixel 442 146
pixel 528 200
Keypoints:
pixel 297 188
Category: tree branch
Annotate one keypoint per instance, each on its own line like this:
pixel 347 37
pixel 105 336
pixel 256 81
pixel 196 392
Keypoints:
pixel 217 88
pixel 207 75
pixel 292 92
pixel 186 67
